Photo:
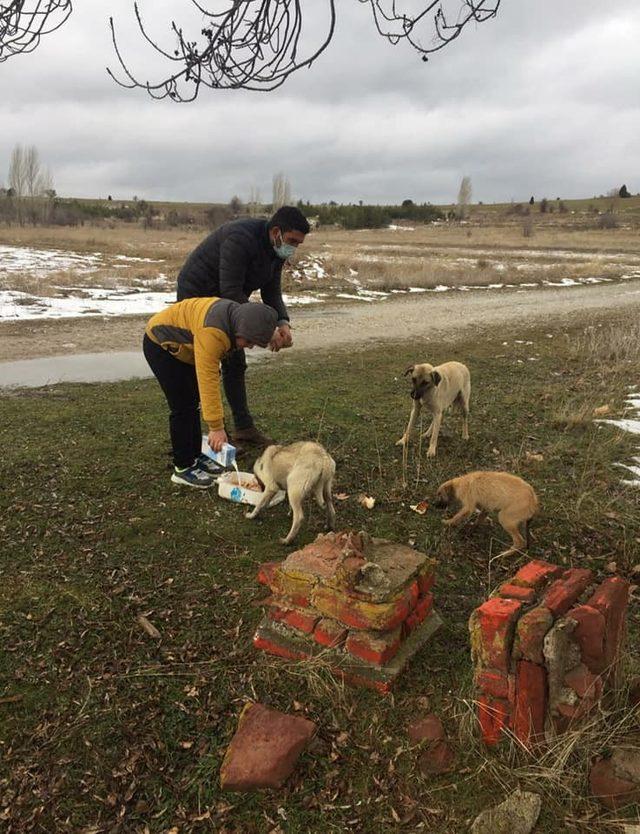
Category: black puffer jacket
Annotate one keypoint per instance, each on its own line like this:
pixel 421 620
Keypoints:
pixel 233 262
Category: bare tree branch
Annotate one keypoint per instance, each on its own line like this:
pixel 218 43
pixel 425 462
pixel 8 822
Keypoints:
pixel 24 22
pixel 258 44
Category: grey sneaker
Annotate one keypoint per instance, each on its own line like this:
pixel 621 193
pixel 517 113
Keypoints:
pixel 208 465
pixel 193 477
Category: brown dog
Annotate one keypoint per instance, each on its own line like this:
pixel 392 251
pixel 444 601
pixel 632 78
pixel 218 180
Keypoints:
pixel 512 498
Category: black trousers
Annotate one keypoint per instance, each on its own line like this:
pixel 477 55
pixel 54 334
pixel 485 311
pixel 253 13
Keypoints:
pixel 234 367
pixel 180 386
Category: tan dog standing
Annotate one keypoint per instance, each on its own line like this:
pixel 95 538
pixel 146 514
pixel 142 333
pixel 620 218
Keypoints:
pixel 302 469
pixel 512 498
pixel 437 388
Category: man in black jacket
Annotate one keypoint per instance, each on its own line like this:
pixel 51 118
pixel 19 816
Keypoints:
pixel 236 259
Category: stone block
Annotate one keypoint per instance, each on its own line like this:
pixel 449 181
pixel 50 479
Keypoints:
pixel 530 703
pixel 494 717
pixel 374 647
pixel 437 758
pixel 265 749
pixel 492 628
pixel 530 633
pixel 330 633
pixel 589 635
pixel 565 592
pixel 535 574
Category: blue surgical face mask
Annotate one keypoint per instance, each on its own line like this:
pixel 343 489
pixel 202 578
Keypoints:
pixel 284 250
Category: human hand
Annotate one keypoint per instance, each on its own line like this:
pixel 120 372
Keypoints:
pixel 285 335
pixel 217 439
pixel 276 341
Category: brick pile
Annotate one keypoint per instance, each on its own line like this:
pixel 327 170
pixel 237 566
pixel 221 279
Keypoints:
pixel 543 648
pixel 365 604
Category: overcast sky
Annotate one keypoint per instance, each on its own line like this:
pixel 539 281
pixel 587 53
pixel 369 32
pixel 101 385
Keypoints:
pixel 542 100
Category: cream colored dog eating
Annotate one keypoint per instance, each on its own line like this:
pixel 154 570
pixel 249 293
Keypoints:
pixel 302 469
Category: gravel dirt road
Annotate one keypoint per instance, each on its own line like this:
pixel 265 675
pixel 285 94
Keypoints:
pixel 419 316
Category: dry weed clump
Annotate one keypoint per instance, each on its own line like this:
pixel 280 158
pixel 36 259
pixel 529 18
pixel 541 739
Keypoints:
pixel 611 343
pixel 559 769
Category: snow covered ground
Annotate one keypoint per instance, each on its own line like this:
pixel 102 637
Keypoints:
pixel 631 424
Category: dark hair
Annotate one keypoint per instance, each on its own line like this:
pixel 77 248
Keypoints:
pixel 289 219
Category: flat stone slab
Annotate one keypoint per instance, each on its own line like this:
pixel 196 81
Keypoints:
pixel 265 749
pixel 278 640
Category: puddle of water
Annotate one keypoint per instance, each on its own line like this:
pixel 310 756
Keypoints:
pixel 81 367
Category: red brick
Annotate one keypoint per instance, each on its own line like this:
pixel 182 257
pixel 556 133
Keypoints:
pixel 438 758
pixel 300 620
pixel 611 598
pixel 583 682
pixel 492 627
pixel 266 574
pixel 493 683
pixel 330 633
pixel 535 574
pixel 530 633
pixel 367 683
pixel 493 715
pixel 376 649
pixel 423 608
pixel 531 703
pixel 426 581
pixel 271 647
pixel 428 729
pixel 589 635
pixel 362 615
pixel 510 591
pixel 264 749
pixel 609 788
pixel 564 592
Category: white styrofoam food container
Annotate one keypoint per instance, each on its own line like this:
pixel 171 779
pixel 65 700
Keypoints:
pixel 229 488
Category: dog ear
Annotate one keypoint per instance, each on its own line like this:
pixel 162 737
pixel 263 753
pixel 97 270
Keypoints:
pixel 435 376
pixel 409 370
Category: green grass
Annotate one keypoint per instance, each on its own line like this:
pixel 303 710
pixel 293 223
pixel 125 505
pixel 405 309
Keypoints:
pixel 108 730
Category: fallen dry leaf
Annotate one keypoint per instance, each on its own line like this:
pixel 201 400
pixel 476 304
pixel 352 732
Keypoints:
pixel 148 627
pixel 420 507
pixel 601 409
pixel 186 745
pixel 635 569
pixel 611 567
pixel 341 496
pixel 367 501
pixel 533 456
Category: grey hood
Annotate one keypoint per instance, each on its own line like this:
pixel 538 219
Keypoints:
pixel 254 322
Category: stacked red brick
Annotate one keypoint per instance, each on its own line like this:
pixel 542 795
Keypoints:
pixel 542 655
pixel 365 603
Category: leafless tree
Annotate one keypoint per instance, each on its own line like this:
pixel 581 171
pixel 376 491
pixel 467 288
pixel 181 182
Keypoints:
pixel 258 44
pixel 255 201
pixel 235 205
pixel 464 197
pixel 24 22
pixel 281 191
pixel 32 185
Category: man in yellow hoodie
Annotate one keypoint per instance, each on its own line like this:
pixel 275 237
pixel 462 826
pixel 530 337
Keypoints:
pixel 184 345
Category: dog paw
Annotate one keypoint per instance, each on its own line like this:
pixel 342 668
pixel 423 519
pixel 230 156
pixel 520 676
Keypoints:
pixel 401 442
pixel 431 453
pixel 284 541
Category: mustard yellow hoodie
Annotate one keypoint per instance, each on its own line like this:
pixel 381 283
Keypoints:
pixel 199 331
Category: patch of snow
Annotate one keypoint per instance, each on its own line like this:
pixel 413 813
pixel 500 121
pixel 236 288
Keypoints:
pixel 356 297
pixel 394 228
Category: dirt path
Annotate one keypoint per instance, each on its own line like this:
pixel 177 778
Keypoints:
pixel 417 316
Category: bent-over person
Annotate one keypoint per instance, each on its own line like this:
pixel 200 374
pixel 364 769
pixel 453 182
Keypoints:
pixel 184 346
